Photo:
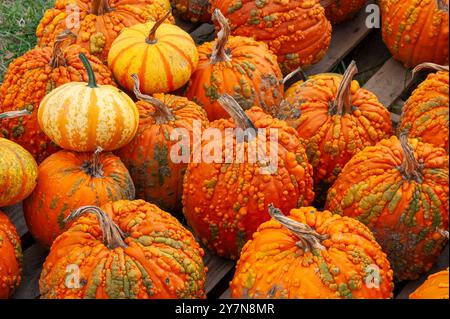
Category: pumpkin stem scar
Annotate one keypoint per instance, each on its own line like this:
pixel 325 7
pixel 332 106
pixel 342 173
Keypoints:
pixel 152 35
pixel 11 114
pixel 91 75
pixel 100 7
pixel 219 53
pixel 428 65
pixel 410 168
pixel 165 114
pixel 94 168
pixel 236 112
pixel 441 5
pixel 58 55
pixel 299 70
pixel 113 236
pixel 310 240
pixel 343 102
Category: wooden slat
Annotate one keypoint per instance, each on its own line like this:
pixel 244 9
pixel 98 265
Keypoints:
pixel 218 268
pixel 15 214
pixel 226 294
pixel 204 33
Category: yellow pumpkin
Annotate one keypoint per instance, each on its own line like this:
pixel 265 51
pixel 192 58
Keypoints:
pixel 80 117
pixel 162 55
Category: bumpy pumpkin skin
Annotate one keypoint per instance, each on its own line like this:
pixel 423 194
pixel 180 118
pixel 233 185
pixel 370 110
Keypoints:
pixel 162 259
pixel 297 31
pixel 28 79
pixel 18 173
pixel 273 266
pixel 435 287
pixel 252 77
pixel 404 215
pixel 158 179
pixel 66 182
pixel 225 203
pixel 343 10
pixel 415 31
pixel 192 10
pixel 425 113
pixel 96 32
pixel 10 258
pixel 332 139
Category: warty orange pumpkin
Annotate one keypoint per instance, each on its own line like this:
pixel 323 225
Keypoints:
pixel 338 11
pixel 416 31
pixel 157 176
pixel 30 77
pixel 297 31
pixel 68 180
pixel 10 258
pixel 239 66
pixel 225 197
pixel 162 55
pixel 435 287
pixel 311 254
pixel 97 23
pixel 192 10
pixel 425 113
pixel 132 249
pixel 82 116
pixel 399 189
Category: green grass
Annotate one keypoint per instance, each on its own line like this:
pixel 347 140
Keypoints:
pixel 18 22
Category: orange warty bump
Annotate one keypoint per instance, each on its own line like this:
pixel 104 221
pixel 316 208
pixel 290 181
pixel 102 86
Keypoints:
pixel 192 10
pixel 68 180
pixel 310 254
pixel 416 31
pixel 399 189
pixel 343 10
pixel 130 249
pixel 10 258
pixel 225 200
pixel 97 23
pixel 239 66
pixel 32 76
pixel 435 287
pixel 425 113
pixel 297 31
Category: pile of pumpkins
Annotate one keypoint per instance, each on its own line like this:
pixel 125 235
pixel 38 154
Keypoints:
pixel 94 106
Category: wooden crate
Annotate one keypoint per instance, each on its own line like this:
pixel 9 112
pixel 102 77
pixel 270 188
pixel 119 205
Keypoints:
pixel 379 73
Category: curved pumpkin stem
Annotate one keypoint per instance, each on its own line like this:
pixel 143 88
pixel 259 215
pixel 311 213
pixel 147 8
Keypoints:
pixel 164 113
pixel 90 72
pixel 442 5
pixel 152 35
pixel 113 236
pixel 236 112
pixel 299 70
pixel 94 168
pixel 12 114
pixel 443 233
pixel 429 65
pixel 343 101
pixel 100 7
pixel 58 56
pixel 309 239
pixel 410 168
pixel 219 53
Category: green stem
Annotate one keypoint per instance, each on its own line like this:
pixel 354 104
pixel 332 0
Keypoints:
pixel 11 114
pixel 91 75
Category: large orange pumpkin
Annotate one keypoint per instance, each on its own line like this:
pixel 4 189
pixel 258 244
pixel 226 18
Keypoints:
pixel 162 55
pixel 30 77
pixel 192 10
pixel 399 189
pixel 416 31
pixel 425 113
pixel 336 119
pixel 130 249
pixel 339 11
pixel 97 23
pixel 226 194
pixel 297 31
pixel 68 180
pixel 312 255
pixel 81 116
pixel 158 176
pixel 435 287
pixel 10 258
pixel 239 66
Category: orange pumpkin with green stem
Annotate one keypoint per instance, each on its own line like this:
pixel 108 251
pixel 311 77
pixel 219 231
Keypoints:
pixel 157 176
pixel 131 249
pixel 399 189
pixel 239 66
pixel 68 180
pixel 311 254
pixel 225 197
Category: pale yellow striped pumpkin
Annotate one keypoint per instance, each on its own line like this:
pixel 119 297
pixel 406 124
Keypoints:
pixel 81 117
pixel 161 54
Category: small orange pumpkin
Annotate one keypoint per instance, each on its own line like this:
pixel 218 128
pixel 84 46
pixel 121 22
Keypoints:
pixel 342 10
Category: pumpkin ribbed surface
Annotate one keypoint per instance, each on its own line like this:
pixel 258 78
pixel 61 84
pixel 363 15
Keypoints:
pixel 158 258
pixel 10 258
pixel 435 287
pixel 342 10
pixel 349 264
pixel 400 191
